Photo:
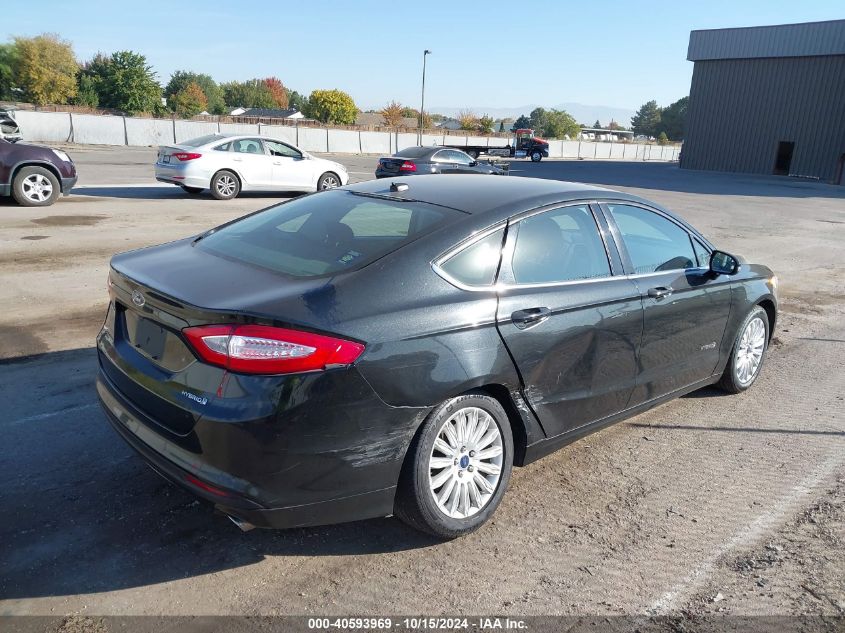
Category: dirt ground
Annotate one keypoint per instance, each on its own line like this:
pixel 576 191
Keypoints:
pixel 708 506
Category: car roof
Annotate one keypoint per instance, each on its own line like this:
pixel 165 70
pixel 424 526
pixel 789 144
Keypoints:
pixel 474 193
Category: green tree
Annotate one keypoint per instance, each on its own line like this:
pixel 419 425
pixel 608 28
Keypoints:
pixel 86 91
pixel 485 124
pixel 597 124
pixel 410 112
pixel 663 139
pixel 190 101
pixel 522 123
pixel 559 123
pixel 501 126
pixel 673 119
pixel 45 68
pixel 296 100
pixel 253 93
pixel 331 106
pixel 537 119
pixel 213 92
pixel 126 82
pixel 647 119
pixel 8 62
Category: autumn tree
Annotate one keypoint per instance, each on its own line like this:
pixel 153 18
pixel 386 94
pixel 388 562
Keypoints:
pixel 331 106
pixel 181 79
pixel 392 114
pixel 45 68
pixel 190 101
pixel 277 91
pixel 468 120
pixel 485 124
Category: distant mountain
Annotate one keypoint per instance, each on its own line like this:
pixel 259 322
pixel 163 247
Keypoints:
pixel 586 114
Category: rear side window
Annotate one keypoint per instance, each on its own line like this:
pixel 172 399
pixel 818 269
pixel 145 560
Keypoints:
pixel 248 146
pixel 326 233
pixel 476 265
pixel 559 245
pixel 654 243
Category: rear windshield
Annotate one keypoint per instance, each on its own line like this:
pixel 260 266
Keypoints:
pixel 414 152
pixel 326 233
pixel 202 140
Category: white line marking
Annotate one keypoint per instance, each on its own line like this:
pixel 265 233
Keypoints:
pixel 44 416
pixel 747 535
pixel 120 185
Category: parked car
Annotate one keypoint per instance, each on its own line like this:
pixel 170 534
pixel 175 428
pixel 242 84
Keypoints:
pixel 396 347
pixel 228 164
pixel 9 129
pixel 34 175
pixel 434 160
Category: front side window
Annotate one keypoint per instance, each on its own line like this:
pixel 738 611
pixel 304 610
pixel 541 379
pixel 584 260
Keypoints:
pixel 476 265
pixel 441 157
pixel 559 245
pixel 248 146
pixel 654 243
pixel 280 149
pixel 326 234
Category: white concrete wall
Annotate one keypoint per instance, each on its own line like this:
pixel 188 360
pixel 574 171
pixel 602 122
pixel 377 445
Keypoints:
pixel 55 127
pixel 344 141
pixel 281 132
pixel 98 130
pixel 149 132
pixel 186 130
pixel 49 127
pixel 375 142
pixel 313 139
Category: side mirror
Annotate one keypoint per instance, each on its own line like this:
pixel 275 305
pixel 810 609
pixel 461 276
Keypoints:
pixel 473 163
pixel 722 263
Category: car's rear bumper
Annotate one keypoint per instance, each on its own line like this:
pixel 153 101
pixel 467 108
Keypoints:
pixel 180 175
pixel 318 464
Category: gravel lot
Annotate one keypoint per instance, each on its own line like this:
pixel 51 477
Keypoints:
pixel 708 504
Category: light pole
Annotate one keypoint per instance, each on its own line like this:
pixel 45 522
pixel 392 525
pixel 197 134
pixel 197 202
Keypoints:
pixel 422 101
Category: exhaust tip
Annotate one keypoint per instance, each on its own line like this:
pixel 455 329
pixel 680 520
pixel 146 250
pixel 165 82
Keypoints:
pixel 245 526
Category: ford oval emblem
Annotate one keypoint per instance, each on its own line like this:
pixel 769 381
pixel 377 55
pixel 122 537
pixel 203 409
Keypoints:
pixel 138 298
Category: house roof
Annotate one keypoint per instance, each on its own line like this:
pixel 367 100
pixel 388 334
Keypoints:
pixel 268 113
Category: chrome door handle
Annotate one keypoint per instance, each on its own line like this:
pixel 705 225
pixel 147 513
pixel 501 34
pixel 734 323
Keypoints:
pixel 660 292
pixel 532 316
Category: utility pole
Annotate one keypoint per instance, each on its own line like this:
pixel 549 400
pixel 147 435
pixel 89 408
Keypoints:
pixel 422 100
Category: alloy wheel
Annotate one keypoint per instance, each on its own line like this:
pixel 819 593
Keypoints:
pixel 750 350
pixel 37 188
pixel 465 464
pixel 329 182
pixel 226 185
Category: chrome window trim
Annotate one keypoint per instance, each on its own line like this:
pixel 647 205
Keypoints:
pixel 508 248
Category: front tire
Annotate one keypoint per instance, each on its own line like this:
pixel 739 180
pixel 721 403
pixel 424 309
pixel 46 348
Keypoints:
pixel 536 156
pixel 35 187
pixel 225 185
pixel 329 180
pixel 748 353
pixel 457 468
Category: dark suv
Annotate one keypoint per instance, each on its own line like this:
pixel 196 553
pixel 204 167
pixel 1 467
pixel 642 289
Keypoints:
pixel 33 174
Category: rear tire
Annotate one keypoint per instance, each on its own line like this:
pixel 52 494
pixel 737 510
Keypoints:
pixel 35 187
pixel 193 190
pixel 748 353
pixel 225 185
pixel 329 180
pixel 463 454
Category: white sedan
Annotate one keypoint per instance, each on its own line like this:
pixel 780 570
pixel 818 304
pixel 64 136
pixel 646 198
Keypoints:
pixel 228 164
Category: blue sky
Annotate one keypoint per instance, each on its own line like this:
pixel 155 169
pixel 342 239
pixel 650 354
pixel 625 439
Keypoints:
pixel 485 54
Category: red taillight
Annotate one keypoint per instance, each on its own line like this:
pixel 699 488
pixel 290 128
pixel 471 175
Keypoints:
pixel 204 486
pixel 186 156
pixel 261 349
pixel 408 165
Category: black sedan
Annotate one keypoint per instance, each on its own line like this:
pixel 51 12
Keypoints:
pixel 396 347
pixel 435 160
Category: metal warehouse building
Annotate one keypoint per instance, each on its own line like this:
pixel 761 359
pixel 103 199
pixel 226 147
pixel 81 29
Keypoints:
pixel 768 100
